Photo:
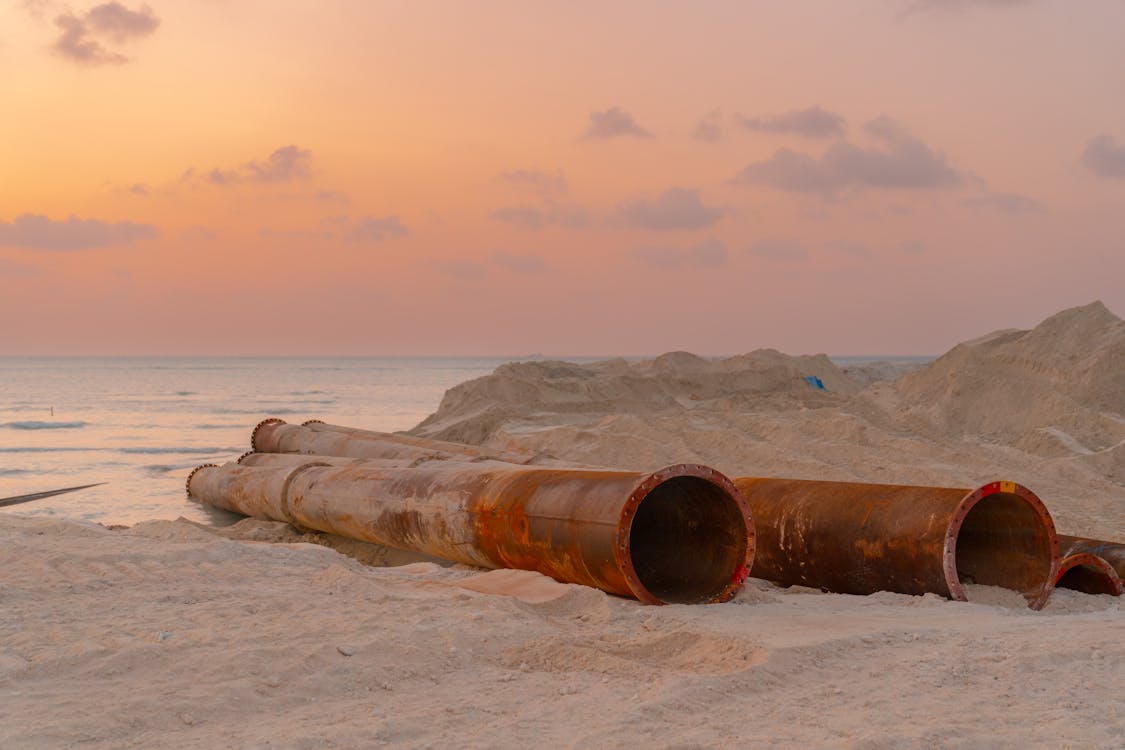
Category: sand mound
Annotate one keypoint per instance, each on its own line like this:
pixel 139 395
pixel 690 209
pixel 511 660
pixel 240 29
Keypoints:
pixel 674 383
pixel 1056 390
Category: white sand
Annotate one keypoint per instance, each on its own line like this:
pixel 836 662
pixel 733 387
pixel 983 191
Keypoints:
pixel 171 635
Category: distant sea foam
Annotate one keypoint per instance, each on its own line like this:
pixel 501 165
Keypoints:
pixel 32 425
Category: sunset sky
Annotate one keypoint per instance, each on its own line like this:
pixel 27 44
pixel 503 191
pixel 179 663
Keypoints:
pixel 368 177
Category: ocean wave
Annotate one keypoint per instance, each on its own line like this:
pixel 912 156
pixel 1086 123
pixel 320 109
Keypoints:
pixel 140 450
pixel 34 425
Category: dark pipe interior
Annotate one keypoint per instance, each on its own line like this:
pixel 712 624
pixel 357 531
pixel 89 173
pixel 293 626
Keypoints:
pixel 1003 542
pixel 687 540
pixel 1088 579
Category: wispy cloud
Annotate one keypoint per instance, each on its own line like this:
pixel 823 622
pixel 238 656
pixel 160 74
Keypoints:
pixel 332 196
pixel 377 229
pixel 1008 203
pixel 36 232
pixel 710 253
pixel 546 185
pixel 930 6
pixel 899 160
pixel 525 263
pixel 1104 157
pixel 779 249
pixel 285 164
pixel 675 208
pixel 614 122
pixel 83 39
pixel 538 217
pixel 529 217
pixel 812 122
pixel 709 128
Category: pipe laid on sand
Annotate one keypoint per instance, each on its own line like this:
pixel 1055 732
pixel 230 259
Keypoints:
pixel 317 438
pixel 861 538
pixel 682 534
pixel 1112 552
pixel 299 459
pixel 1088 573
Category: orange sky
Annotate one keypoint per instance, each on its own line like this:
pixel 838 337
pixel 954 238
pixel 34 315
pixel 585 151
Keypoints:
pixel 361 177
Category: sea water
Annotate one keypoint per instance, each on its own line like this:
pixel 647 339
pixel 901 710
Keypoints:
pixel 140 425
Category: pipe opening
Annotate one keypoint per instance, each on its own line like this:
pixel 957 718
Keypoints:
pixel 688 540
pixel 1003 541
pixel 1088 574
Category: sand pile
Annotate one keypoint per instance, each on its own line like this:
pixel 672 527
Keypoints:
pixel 1056 390
pixel 672 383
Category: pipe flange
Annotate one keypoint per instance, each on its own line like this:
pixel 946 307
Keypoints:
pixel 258 427
pixel 187 484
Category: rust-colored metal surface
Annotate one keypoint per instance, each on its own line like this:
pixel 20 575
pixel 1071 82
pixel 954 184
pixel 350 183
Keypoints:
pixel 1086 572
pixel 318 438
pixel 299 459
pixel 861 538
pixel 1112 552
pixel 679 535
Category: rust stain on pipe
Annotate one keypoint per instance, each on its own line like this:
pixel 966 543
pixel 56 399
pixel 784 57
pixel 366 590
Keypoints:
pixel 298 459
pixel 861 538
pixel 679 535
pixel 1086 572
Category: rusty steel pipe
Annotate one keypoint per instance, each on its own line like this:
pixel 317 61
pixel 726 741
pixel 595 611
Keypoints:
pixel 861 538
pixel 299 459
pixel 1112 552
pixel 316 438
pixel 1088 573
pixel 682 534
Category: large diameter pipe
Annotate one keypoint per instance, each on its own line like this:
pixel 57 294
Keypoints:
pixel 316 438
pixel 299 459
pixel 862 538
pixel 679 535
pixel 1112 552
pixel 1089 573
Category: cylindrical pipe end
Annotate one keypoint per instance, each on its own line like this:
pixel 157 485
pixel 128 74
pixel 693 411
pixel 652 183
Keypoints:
pixel 191 476
pixel 259 441
pixel 685 536
pixel 1088 573
pixel 1002 535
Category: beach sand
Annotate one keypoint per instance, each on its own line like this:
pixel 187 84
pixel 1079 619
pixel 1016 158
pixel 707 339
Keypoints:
pixel 169 634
